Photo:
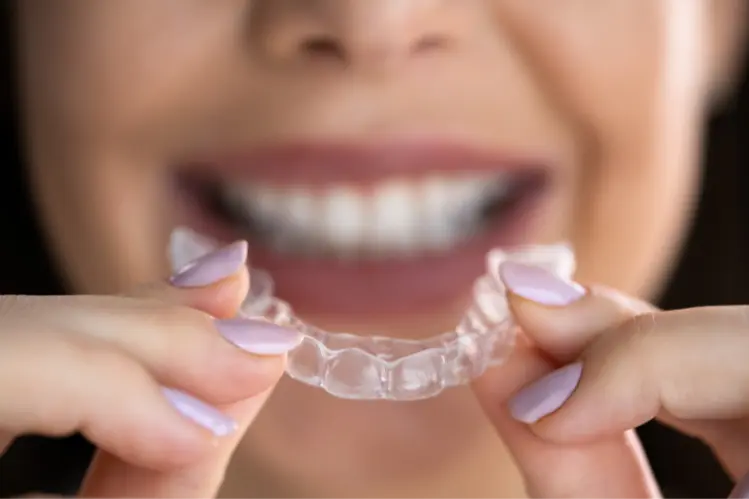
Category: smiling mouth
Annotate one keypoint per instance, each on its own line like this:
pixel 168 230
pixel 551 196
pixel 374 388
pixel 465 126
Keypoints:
pixel 396 219
pixel 379 229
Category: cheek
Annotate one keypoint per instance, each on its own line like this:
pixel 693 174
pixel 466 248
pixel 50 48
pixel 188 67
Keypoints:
pixel 120 65
pixel 631 74
pixel 123 73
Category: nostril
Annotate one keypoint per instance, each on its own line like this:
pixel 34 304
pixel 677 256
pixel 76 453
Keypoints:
pixel 324 47
pixel 429 44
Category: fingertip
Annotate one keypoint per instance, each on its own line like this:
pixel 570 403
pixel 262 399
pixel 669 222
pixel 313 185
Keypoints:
pixel 551 407
pixel 564 331
pixel 157 427
pixel 158 441
pixel 585 401
pixel 496 387
pixel 538 285
pixel 185 432
pixel 221 299
pixel 546 395
pixel 246 378
pixel 212 267
pixel 224 299
pixel 202 414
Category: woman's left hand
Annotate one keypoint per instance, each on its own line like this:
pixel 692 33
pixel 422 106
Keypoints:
pixel 593 364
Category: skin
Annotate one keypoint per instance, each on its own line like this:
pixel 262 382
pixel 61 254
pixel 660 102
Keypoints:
pixel 624 137
pixel 638 364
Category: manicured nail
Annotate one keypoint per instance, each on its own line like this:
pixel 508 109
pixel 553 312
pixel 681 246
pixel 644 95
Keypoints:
pixel 201 413
pixel 546 395
pixel 539 285
pixel 212 267
pixel 741 490
pixel 259 337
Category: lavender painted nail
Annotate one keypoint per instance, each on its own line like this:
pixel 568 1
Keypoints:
pixel 259 337
pixel 539 285
pixel 546 395
pixel 741 490
pixel 212 267
pixel 201 413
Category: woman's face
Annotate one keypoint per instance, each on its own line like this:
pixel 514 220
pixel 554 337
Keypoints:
pixel 371 151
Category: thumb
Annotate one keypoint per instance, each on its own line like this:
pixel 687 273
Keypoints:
pixel 685 367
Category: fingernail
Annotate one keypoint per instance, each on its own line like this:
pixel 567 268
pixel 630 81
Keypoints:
pixel 546 395
pixel 212 267
pixel 201 413
pixel 539 285
pixel 741 490
pixel 259 337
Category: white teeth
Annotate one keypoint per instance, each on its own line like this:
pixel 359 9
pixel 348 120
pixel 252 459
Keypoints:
pixel 344 216
pixel 395 218
pixel 438 226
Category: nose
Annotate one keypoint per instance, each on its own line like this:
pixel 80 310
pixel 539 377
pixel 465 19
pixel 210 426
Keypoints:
pixel 364 34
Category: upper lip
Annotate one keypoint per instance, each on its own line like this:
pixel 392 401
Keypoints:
pixel 315 163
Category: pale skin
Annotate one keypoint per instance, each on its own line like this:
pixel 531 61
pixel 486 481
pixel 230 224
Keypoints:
pixel 102 141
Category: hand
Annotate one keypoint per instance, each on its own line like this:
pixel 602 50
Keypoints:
pixel 602 363
pixel 101 365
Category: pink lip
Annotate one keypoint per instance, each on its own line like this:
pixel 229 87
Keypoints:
pixel 415 285
pixel 312 164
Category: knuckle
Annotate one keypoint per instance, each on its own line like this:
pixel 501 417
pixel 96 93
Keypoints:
pixel 628 343
pixel 642 327
pixel 637 348
pixel 637 337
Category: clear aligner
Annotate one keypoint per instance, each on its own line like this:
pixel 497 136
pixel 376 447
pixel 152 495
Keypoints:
pixel 382 368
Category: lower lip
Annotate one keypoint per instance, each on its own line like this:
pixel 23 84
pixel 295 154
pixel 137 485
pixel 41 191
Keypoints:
pixel 421 284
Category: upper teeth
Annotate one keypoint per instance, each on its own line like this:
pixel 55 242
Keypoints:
pixel 399 216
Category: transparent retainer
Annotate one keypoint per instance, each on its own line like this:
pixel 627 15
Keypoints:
pixel 357 367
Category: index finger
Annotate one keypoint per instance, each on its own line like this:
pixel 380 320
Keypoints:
pixel 562 317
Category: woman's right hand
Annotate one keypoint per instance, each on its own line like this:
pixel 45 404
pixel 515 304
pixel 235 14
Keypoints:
pixel 143 376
